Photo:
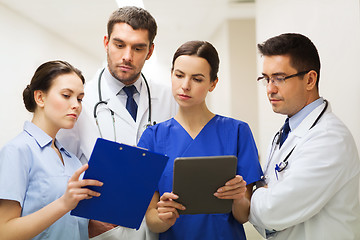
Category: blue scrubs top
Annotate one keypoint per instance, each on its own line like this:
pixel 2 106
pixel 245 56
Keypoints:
pixel 220 136
pixel 32 174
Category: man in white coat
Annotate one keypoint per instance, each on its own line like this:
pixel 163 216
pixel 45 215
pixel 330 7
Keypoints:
pixel 311 175
pixel 105 113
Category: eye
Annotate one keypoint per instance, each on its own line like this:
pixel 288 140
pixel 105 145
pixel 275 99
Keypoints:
pixel 66 95
pixel 266 78
pixel 178 75
pixel 279 78
pixel 119 45
pixel 197 79
pixel 139 49
pixel 80 100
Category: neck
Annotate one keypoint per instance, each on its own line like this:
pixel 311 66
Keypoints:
pixel 194 119
pixel 44 125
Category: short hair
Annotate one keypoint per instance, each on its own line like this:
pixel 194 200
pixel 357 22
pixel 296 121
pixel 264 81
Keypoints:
pixel 43 80
pixel 201 49
pixel 137 18
pixel 302 51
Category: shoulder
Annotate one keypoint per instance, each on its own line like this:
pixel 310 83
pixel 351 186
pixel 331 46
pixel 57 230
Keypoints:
pixel 19 148
pixel 331 126
pixel 156 133
pixel 228 121
pixel 159 89
pixel 330 139
pixel 159 127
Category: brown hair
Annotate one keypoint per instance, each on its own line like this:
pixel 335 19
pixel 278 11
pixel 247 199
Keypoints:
pixel 137 18
pixel 43 78
pixel 201 49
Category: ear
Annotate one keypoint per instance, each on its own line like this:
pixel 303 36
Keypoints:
pixel 151 50
pixel 39 97
pixel 106 42
pixel 213 85
pixel 311 80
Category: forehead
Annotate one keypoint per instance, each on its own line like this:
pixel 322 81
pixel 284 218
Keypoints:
pixel 192 65
pixel 67 81
pixel 277 64
pixel 125 33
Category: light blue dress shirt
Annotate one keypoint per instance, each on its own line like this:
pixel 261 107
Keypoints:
pixel 32 174
pixel 295 120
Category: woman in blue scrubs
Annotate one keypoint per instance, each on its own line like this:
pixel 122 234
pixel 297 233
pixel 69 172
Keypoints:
pixel 196 131
pixel 39 179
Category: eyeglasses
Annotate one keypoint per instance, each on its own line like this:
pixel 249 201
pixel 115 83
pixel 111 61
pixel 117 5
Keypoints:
pixel 278 79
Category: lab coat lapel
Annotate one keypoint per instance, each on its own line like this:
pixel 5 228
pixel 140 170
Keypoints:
pixel 120 110
pixel 143 105
pixel 298 133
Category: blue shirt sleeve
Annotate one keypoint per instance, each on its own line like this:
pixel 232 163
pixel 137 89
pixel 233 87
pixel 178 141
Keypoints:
pixel 248 161
pixel 146 139
pixel 14 172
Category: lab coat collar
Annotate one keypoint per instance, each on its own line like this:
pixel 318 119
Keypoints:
pixel 305 125
pixel 303 128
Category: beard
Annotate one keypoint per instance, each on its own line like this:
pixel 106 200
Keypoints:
pixel 127 81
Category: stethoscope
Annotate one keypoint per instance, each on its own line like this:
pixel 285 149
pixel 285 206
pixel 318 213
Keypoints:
pixel 282 165
pixel 112 112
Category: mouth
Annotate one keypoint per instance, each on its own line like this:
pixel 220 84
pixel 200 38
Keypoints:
pixel 274 100
pixel 72 115
pixel 125 68
pixel 184 96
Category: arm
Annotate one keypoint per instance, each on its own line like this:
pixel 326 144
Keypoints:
pixel 237 190
pixel 13 226
pixel 162 212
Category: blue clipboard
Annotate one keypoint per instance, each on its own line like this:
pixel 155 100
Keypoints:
pixel 130 176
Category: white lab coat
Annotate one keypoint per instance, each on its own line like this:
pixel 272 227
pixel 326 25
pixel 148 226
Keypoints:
pixel 317 195
pixel 81 139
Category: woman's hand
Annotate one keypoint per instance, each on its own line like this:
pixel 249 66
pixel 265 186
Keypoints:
pixel 233 189
pixel 167 208
pixel 76 190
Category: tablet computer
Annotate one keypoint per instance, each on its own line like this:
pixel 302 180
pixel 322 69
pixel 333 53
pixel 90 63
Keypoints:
pixel 196 179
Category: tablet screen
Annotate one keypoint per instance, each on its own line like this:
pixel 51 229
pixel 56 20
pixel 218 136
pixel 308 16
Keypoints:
pixel 196 179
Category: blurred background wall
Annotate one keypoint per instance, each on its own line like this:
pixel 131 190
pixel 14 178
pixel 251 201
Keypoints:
pixel 36 31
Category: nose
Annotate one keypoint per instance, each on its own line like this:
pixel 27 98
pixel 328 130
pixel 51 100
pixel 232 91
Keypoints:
pixel 185 84
pixel 75 104
pixel 128 54
pixel 271 88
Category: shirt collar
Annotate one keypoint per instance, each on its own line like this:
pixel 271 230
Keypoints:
pixel 38 134
pixel 41 137
pixel 295 120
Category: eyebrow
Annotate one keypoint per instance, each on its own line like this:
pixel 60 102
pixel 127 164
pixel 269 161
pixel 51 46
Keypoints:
pixel 194 75
pixel 136 44
pixel 70 90
pixel 275 74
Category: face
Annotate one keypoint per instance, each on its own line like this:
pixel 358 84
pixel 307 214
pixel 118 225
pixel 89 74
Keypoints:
pixel 291 96
pixel 61 104
pixel 127 50
pixel 191 81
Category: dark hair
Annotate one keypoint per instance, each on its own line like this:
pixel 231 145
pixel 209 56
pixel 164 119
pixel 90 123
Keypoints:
pixel 43 78
pixel 303 53
pixel 201 49
pixel 137 18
